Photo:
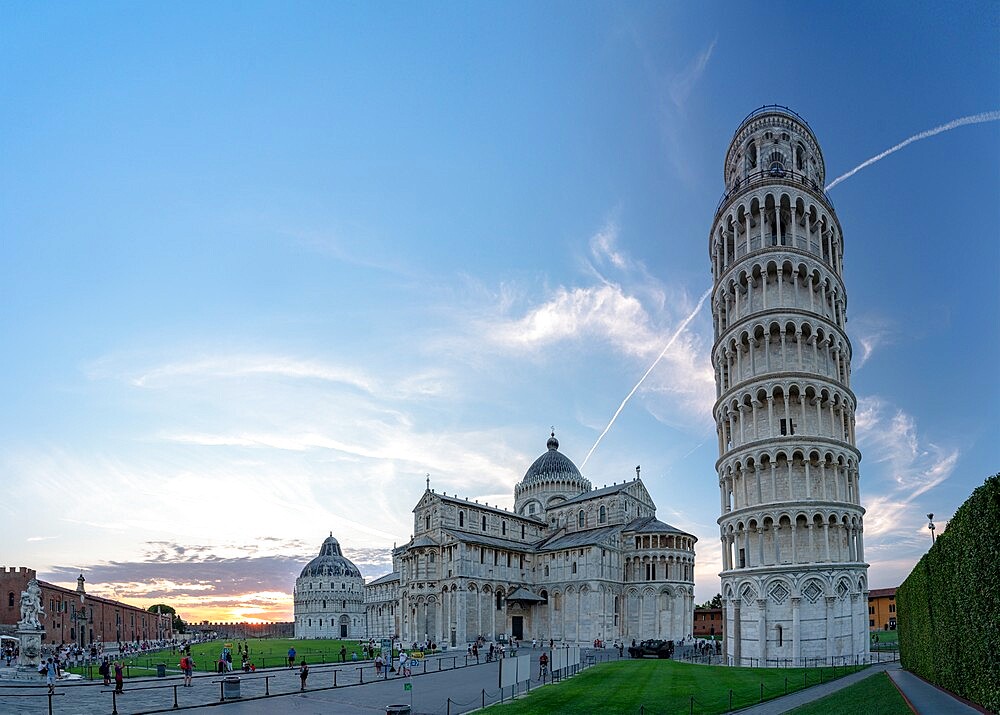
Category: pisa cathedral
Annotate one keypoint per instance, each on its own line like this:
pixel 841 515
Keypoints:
pixel 569 563
pixel 794 578
pixel 575 564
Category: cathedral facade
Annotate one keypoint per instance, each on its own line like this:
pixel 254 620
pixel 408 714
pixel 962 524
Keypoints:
pixel 569 563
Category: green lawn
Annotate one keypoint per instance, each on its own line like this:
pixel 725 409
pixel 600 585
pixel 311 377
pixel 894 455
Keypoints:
pixel 664 686
pixel 875 695
pixel 264 653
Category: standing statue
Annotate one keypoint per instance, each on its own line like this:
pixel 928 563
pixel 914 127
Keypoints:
pixel 31 606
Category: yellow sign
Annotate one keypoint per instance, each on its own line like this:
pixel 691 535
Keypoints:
pixel 417 654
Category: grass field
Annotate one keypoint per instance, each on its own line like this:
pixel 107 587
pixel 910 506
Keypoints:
pixel 664 686
pixel 264 653
pixel 875 695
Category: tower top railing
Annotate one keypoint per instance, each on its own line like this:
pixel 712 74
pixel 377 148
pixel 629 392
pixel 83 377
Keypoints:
pixel 785 176
pixel 774 109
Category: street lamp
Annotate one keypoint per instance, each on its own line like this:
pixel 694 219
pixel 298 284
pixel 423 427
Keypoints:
pixel 930 525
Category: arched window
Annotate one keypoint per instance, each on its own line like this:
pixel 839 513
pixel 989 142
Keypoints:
pixel 432 557
pixel 461 518
pixel 573 570
pixel 776 164
pixel 503 528
pixel 427 522
pixel 581 520
pixel 603 515
pixel 320 622
pixel 779 635
pixel 484 522
pixel 522 531
pixel 799 152
pixel 751 156
pixel 324 608
pixel 499 601
pixel 10 600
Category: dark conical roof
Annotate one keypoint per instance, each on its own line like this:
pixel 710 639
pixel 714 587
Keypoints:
pixel 330 562
pixel 553 464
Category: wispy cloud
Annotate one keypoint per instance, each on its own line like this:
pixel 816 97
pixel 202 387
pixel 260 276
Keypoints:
pixel 871 333
pixel 911 467
pixel 684 82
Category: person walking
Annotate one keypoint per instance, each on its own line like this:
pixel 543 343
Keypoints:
pixel 343 654
pixel 378 664
pixel 303 674
pixel 403 669
pixel 291 657
pixel 543 666
pixel 50 675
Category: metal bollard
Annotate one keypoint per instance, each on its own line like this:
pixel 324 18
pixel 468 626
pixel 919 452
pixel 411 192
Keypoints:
pixel 762 692
pixel 175 697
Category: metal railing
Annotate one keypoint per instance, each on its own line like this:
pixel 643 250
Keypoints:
pixel 788 177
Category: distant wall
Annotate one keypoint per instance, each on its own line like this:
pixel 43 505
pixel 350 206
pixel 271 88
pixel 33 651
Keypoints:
pixel 949 605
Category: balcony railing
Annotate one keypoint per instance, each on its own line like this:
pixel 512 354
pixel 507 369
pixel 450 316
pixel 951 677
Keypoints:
pixel 772 175
pixel 774 109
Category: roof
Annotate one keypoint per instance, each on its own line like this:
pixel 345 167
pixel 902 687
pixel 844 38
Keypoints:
pixel 524 594
pixel 652 525
pixel 388 578
pixel 422 540
pixel 595 493
pixel 486 507
pixel 330 562
pixel 491 541
pixel 881 592
pixel 576 539
pixel 553 464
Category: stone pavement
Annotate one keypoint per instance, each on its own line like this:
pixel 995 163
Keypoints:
pixel 431 689
pixel 927 699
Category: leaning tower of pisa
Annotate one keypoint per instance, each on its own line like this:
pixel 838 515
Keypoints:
pixel 794 579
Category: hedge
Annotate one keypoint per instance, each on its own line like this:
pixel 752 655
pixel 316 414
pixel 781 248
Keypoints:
pixel 949 606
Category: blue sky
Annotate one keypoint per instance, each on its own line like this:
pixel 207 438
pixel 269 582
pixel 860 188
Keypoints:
pixel 264 266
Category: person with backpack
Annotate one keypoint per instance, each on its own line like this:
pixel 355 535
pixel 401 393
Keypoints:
pixel 105 671
pixel 187 666
pixel 303 674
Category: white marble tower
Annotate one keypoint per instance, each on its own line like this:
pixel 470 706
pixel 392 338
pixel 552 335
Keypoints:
pixel 794 580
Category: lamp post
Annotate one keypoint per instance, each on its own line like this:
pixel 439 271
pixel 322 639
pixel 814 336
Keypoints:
pixel 930 525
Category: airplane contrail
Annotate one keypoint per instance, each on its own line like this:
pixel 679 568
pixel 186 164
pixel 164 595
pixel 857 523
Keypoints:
pixel 680 329
pixel 972 119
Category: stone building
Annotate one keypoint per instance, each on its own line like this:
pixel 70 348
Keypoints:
pixel 75 616
pixel 329 596
pixel 794 578
pixel 568 563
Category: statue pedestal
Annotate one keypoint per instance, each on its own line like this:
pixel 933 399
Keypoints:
pixel 31 648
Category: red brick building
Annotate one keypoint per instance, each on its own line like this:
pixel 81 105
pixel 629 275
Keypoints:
pixel 77 617
pixel 708 622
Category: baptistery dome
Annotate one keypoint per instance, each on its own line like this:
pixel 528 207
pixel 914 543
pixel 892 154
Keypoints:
pixel 330 562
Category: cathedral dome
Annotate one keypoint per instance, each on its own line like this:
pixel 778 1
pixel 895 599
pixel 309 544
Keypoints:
pixel 330 562
pixel 553 464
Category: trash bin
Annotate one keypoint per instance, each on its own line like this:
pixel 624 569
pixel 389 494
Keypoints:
pixel 161 670
pixel 230 687
pixel 397 710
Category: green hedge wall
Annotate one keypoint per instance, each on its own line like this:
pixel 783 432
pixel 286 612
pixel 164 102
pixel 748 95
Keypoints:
pixel 949 605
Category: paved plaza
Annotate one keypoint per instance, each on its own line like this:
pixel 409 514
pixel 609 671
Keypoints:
pixel 444 678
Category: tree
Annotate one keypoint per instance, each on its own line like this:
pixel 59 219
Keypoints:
pixel 178 623
pixel 716 602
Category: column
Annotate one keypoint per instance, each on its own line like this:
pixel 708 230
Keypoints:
pixel 762 630
pixel 796 632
